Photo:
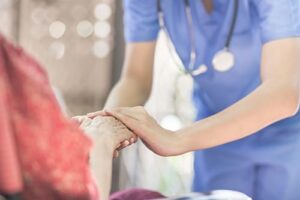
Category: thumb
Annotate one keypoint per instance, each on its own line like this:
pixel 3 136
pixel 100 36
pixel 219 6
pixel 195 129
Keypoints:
pixel 98 113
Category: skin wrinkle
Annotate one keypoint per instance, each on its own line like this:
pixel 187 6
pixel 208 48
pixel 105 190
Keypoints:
pixel 105 125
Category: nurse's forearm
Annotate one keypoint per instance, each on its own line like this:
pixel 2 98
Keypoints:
pixel 134 87
pixel 275 99
pixel 269 103
pixel 127 92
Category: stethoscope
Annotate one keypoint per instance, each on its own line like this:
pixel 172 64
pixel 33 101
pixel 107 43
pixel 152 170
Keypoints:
pixel 222 61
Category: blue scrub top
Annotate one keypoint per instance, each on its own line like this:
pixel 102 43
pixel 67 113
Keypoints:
pixel 259 22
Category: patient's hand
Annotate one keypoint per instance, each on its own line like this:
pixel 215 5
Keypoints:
pixel 108 130
pixel 107 134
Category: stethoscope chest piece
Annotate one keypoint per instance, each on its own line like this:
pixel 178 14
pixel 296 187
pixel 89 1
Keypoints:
pixel 223 61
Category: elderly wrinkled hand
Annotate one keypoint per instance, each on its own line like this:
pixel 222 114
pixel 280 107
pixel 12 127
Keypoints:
pixel 108 129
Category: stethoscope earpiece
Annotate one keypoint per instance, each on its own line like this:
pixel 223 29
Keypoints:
pixel 223 60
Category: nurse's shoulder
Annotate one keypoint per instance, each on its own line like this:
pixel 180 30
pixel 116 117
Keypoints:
pixel 140 20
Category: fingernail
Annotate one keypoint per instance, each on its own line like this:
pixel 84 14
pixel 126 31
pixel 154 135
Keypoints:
pixel 132 140
pixel 126 142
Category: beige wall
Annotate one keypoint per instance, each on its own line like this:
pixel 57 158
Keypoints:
pixel 9 18
pixel 83 78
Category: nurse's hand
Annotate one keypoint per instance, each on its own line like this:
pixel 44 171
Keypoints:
pixel 156 138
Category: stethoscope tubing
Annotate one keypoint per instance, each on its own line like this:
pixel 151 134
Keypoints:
pixel 191 31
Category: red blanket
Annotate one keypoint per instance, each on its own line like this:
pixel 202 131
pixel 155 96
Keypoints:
pixel 40 150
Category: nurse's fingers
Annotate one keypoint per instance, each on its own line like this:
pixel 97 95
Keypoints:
pixel 133 140
pixel 97 113
pixel 137 110
pixel 128 120
pixel 124 144
pixel 133 112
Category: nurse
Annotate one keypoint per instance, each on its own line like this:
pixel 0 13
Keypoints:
pixel 247 133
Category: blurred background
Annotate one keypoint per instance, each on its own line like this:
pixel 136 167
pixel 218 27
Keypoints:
pixel 80 43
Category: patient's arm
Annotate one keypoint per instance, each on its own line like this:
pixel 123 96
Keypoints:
pixel 107 133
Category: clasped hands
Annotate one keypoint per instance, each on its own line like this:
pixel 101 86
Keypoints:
pixel 107 131
pixel 121 127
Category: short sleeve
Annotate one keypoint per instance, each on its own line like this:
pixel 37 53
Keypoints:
pixel 140 20
pixel 278 19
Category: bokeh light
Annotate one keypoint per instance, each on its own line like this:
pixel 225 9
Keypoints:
pixel 57 50
pixel 101 49
pixel 85 28
pixel 57 29
pixel 171 122
pixel 102 11
pixel 102 29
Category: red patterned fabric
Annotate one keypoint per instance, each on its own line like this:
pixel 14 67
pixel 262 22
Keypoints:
pixel 50 151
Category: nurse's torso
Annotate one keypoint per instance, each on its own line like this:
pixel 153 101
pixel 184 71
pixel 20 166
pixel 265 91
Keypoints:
pixel 213 90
